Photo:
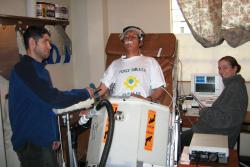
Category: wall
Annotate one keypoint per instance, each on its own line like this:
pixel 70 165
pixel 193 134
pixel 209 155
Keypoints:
pixel 87 19
pixel 96 36
pixel 63 74
pixel 10 7
pixel 147 14
pixel 79 37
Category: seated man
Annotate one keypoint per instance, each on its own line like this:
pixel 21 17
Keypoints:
pixel 133 74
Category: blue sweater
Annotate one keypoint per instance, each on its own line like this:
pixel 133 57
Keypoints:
pixel 31 99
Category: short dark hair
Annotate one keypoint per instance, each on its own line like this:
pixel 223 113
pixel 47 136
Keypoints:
pixel 232 61
pixel 35 32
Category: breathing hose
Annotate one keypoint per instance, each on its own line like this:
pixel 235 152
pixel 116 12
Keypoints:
pixel 111 120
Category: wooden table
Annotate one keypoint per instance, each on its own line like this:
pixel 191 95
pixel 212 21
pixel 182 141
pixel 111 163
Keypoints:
pixel 188 121
pixel 233 161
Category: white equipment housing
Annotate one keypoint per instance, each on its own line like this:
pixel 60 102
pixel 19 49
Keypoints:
pixel 142 134
pixel 209 147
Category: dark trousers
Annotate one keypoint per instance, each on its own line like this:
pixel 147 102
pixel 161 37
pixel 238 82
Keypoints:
pixel 31 155
pixel 186 137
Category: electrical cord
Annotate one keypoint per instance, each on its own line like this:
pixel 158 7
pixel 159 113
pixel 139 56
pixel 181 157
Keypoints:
pixel 242 164
pixel 111 120
pixel 171 102
pixel 180 72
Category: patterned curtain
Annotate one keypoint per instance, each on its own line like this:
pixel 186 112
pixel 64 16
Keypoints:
pixel 213 21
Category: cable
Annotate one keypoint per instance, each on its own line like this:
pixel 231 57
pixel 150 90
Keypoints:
pixel 111 127
pixel 199 102
pixel 180 72
pixel 179 85
pixel 168 95
pixel 242 164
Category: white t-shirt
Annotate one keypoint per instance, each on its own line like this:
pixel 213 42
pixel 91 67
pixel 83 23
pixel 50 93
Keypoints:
pixel 137 75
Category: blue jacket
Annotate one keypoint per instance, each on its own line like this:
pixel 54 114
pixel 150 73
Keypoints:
pixel 31 99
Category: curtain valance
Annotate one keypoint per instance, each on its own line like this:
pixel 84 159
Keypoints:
pixel 213 21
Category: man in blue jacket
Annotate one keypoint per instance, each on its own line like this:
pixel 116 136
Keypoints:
pixel 31 99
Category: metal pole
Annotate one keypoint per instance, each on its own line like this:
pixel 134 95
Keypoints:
pixel 71 160
pixel 3 160
pixel 74 158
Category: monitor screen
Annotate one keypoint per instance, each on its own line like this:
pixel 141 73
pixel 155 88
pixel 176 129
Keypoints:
pixel 206 84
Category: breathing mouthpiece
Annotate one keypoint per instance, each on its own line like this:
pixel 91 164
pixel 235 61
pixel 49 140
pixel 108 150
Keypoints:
pixel 128 42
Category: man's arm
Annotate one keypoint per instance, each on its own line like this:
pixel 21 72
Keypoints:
pixel 156 94
pixel 43 88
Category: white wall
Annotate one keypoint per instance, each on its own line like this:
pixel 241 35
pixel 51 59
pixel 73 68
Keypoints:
pixel 96 36
pixel 13 7
pixel 87 19
pixel 79 37
pixel 151 16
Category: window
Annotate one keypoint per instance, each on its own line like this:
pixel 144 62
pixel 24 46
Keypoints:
pixel 179 24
